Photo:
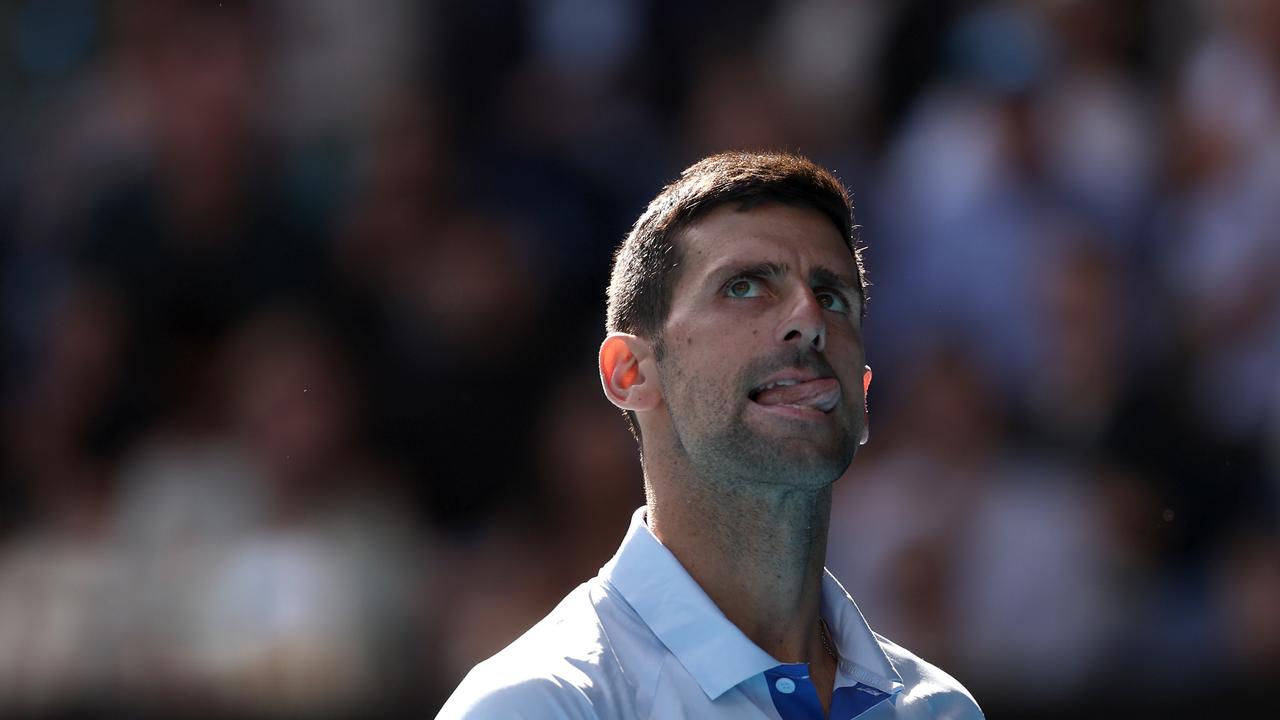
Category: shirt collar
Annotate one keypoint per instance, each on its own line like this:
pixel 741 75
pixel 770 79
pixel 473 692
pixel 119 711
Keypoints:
pixel 861 656
pixel 710 647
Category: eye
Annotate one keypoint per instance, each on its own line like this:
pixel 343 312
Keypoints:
pixel 833 301
pixel 743 288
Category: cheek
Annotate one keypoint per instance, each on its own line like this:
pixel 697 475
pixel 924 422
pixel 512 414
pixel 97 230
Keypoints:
pixel 846 344
pixel 714 351
pixel 676 338
pixel 702 365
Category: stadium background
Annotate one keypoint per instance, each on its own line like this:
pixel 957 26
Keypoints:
pixel 301 300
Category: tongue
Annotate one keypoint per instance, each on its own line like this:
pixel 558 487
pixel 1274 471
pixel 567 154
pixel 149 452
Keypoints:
pixel 818 394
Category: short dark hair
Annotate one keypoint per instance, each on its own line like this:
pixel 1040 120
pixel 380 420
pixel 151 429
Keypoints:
pixel 646 264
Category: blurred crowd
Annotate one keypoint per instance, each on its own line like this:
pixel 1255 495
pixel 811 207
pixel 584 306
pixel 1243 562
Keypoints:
pixel 301 298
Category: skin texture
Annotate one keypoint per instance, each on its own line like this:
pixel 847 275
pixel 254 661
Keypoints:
pixel 740 491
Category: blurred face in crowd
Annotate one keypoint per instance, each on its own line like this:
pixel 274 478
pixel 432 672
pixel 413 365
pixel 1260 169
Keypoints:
pixel 761 368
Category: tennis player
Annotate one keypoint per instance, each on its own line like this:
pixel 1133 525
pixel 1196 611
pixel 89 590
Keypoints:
pixel 735 348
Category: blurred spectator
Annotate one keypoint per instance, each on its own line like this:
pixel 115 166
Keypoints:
pixel 275 560
pixel 1221 220
pixel 60 438
pixel 515 573
pixel 1248 595
pixel 1093 121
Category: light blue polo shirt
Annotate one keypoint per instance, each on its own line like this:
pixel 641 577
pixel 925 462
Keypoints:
pixel 642 640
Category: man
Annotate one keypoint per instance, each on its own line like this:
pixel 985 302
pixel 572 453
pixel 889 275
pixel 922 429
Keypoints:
pixel 735 348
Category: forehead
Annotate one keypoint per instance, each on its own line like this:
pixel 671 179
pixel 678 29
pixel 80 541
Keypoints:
pixel 798 237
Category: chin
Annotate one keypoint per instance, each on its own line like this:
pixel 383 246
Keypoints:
pixel 768 449
pixel 803 461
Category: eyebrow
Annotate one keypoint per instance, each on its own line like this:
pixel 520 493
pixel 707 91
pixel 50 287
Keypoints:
pixel 766 269
pixel 830 278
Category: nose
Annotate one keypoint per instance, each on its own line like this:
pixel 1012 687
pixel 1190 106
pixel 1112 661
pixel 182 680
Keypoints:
pixel 805 323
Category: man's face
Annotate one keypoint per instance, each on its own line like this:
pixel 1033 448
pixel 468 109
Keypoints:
pixel 763 365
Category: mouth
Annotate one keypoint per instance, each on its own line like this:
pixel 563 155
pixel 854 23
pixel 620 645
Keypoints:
pixel 819 394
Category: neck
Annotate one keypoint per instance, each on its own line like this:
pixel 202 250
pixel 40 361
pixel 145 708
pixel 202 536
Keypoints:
pixel 757 550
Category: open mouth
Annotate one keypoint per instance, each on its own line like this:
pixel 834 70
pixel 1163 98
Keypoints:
pixel 821 394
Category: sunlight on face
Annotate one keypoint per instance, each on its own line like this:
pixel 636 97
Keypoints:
pixel 762 376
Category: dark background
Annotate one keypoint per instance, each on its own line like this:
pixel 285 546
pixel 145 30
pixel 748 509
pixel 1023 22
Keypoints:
pixel 301 302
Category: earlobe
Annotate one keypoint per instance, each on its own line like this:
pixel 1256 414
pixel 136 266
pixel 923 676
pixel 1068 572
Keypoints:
pixel 625 375
pixel 866 414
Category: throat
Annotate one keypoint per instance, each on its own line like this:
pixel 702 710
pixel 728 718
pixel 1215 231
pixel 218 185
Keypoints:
pixel 759 556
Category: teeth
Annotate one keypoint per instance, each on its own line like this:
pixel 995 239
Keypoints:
pixel 780 383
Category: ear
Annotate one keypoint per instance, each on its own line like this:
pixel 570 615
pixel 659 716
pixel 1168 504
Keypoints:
pixel 866 414
pixel 629 373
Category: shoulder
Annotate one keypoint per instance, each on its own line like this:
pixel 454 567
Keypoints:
pixel 928 684
pixel 563 667
pixel 529 696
